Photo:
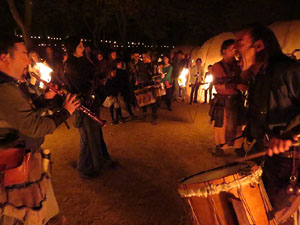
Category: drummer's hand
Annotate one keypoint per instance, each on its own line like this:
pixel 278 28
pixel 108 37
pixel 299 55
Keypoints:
pixel 71 104
pixel 277 146
pixel 162 75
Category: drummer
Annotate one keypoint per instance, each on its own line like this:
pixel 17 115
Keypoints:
pixel 143 79
pixel 273 117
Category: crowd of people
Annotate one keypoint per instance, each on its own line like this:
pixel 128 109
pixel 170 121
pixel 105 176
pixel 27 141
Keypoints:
pixel 271 79
pixel 115 78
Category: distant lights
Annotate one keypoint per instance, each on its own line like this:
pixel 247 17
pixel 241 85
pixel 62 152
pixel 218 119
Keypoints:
pixel 130 44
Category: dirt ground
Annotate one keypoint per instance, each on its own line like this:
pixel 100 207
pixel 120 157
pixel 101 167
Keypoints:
pixel 143 190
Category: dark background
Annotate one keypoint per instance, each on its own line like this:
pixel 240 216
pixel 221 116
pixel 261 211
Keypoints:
pixel 171 22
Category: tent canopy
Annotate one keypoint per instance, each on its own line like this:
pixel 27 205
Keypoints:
pixel 287 33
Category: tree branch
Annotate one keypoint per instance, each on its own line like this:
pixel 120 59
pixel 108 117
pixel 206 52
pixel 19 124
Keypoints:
pixel 19 21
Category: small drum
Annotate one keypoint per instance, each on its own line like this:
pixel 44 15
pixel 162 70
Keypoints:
pixel 159 90
pixel 144 96
pixel 228 195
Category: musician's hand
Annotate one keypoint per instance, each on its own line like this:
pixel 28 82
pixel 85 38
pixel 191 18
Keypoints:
pixel 162 76
pixel 277 146
pixel 50 93
pixel 71 104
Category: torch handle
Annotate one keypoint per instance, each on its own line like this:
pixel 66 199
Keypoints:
pixel 82 108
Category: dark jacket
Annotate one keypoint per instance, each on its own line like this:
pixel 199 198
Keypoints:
pixel 123 79
pixel 144 77
pixel 18 115
pixel 79 75
pixel 274 98
pixel 113 86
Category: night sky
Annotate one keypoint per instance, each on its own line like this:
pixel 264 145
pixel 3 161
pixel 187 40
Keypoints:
pixel 173 22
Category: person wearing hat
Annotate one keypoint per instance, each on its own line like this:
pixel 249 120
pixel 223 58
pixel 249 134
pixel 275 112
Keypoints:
pixel 79 73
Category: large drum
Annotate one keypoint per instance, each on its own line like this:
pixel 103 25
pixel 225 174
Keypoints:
pixel 144 96
pixel 230 195
pixel 159 90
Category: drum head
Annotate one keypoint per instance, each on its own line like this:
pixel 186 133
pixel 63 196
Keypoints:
pixel 218 173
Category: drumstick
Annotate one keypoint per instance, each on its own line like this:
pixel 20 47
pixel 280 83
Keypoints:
pixel 247 158
pixel 255 155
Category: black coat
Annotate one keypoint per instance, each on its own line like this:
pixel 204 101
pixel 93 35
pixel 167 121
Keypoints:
pixel 79 75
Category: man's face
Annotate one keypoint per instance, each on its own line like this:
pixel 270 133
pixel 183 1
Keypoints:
pixel 244 43
pixel 113 73
pixel 119 65
pixel 146 58
pixel 18 60
pixel 114 55
pixel 198 62
pixel 229 52
pixel 99 57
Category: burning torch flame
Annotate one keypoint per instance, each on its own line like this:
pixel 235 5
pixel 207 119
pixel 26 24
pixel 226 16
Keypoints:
pixel 208 79
pixel 182 77
pixel 44 71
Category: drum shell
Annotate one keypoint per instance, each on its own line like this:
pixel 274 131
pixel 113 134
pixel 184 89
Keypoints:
pixel 159 90
pixel 226 205
pixel 144 96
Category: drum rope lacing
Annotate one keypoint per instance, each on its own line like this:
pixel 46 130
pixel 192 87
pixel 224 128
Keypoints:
pixel 267 203
pixel 214 189
pixel 244 201
pixel 217 217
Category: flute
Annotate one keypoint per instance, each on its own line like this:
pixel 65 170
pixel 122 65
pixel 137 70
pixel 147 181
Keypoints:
pixel 81 107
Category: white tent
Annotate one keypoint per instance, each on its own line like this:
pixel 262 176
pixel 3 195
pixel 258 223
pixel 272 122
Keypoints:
pixel 287 33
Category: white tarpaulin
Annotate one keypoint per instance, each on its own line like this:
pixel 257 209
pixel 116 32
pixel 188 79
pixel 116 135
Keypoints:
pixel 287 33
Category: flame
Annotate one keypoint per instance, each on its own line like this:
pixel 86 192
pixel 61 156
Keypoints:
pixel 208 79
pixel 182 77
pixel 44 71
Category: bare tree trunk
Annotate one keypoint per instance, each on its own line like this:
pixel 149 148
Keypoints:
pixel 19 21
pixel 28 15
pixel 122 24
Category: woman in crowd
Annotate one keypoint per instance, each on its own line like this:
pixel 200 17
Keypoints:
pixel 167 80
